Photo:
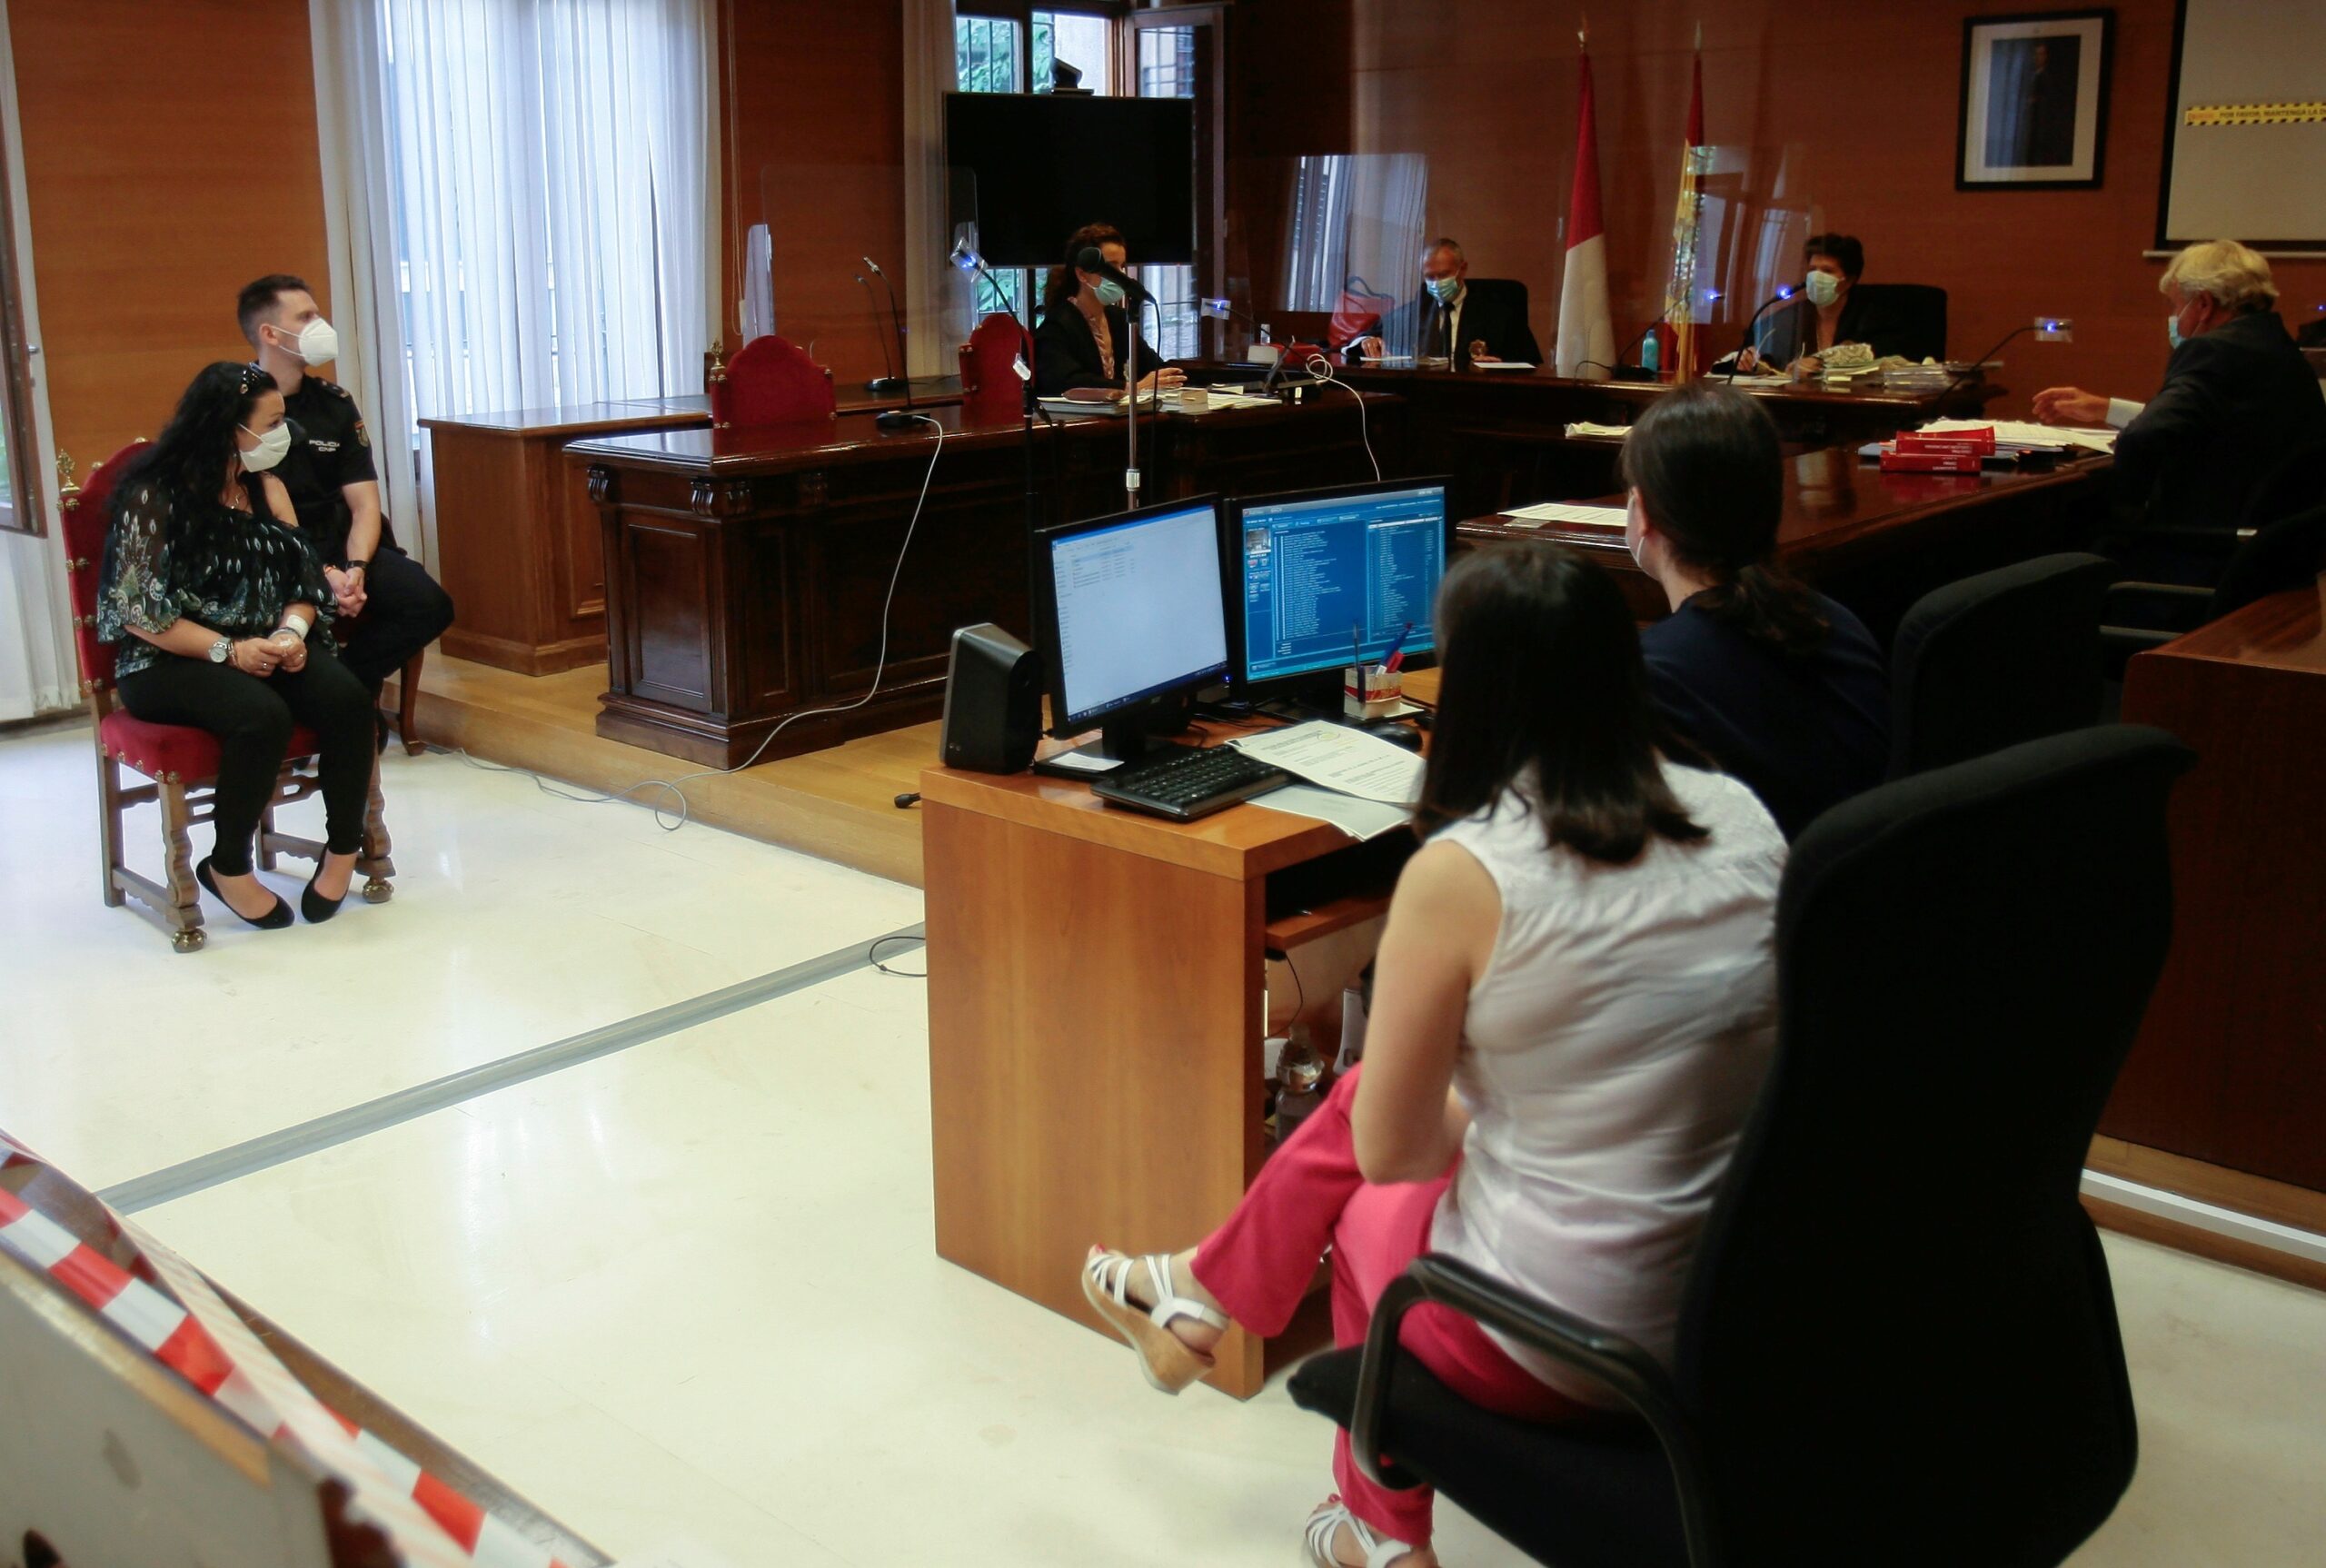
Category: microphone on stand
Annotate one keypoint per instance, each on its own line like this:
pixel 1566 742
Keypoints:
pixel 1784 291
pixel 904 418
pixel 1090 259
pixel 885 384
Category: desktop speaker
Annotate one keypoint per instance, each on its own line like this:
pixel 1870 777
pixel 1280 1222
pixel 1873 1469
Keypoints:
pixel 993 702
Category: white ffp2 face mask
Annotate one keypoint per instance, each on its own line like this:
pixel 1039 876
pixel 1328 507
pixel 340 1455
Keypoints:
pixel 318 342
pixel 271 448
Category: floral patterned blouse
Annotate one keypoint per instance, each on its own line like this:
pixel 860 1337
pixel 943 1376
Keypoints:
pixel 232 570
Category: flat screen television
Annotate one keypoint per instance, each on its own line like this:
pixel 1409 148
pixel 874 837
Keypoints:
pixel 1030 168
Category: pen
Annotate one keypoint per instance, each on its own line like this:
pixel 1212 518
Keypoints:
pixel 1355 646
pixel 1396 654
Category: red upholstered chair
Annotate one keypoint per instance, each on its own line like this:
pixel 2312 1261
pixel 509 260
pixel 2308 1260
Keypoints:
pixel 771 380
pixel 990 388
pixel 180 763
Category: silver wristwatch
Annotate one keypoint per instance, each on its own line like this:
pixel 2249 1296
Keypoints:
pixel 222 650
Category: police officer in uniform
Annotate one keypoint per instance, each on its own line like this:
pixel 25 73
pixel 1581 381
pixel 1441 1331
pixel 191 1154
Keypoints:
pixel 395 607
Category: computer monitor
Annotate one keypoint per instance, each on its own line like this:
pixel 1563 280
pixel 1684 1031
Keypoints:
pixel 1127 610
pixel 1328 576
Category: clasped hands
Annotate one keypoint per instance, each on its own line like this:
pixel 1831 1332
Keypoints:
pixel 346 590
pixel 263 656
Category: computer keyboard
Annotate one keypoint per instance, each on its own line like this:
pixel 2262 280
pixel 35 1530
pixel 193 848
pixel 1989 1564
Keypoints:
pixel 1186 784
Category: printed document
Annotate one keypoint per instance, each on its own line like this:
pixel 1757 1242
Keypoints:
pixel 1340 758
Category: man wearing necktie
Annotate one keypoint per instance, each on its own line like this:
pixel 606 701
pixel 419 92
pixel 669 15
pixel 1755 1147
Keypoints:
pixel 1449 324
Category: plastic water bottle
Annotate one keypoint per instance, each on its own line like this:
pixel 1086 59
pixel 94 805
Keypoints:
pixel 1651 352
pixel 1300 1077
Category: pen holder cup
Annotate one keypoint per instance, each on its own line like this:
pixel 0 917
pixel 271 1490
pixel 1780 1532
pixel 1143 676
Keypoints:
pixel 1370 691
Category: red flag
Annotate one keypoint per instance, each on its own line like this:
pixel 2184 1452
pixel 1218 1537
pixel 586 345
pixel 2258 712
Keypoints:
pixel 1587 345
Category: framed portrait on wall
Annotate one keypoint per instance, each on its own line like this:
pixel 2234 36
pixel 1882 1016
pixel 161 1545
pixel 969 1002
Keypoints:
pixel 2035 101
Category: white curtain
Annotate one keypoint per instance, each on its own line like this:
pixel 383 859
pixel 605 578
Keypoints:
pixel 38 671
pixel 928 76
pixel 527 199
pixel 366 304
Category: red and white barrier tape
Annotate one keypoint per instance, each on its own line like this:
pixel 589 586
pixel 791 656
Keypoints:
pixel 202 1340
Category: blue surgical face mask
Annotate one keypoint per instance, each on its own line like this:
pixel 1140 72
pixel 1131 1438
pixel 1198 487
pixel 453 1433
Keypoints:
pixel 1443 290
pixel 2173 329
pixel 1823 289
pixel 1109 291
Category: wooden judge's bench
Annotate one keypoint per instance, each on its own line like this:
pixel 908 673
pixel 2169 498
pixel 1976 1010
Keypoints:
pixel 735 580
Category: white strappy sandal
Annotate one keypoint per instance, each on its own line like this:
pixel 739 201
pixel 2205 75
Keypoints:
pixel 1326 1522
pixel 1170 1361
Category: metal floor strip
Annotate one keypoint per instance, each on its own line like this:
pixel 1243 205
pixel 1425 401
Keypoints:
pixel 274 1149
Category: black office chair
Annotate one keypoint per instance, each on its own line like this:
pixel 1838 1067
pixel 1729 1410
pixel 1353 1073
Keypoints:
pixel 1898 1343
pixel 1510 289
pixel 1997 659
pixel 2175 565
pixel 2287 554
pixel 1919 312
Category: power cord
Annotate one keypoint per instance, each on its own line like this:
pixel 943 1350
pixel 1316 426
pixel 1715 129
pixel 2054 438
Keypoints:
pixel 873 956
pixel 662 810
pixel 1320 369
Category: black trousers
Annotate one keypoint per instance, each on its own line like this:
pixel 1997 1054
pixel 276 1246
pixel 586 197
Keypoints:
pixel 251 717
pixel 404 611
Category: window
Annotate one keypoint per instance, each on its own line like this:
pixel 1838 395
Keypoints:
pixel 1084 43
pixel 547 161
pixel 1002 53
pixel 985 55
pixel 1167 69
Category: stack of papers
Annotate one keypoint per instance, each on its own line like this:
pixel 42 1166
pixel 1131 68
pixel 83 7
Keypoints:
pixel 2019 436
pixel 1360 783
pixel 1219 399
pixel 1566 511
pixel 1584 427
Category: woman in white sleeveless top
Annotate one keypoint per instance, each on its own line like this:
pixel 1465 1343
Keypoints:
pixel 1575 1006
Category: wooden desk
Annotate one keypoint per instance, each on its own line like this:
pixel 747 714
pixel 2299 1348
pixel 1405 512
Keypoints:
pixel 1877 541
pixel 2230 1067
pixel 748 568
pixel 1501 432
pixel 517 536
pixel 1094 1021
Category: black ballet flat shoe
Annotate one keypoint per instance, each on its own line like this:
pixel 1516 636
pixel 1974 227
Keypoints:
pixel 275 919
pixel 315 906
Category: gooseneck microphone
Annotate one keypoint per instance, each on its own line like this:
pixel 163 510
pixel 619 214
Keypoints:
pixel 887 384
pixel 895 418
pixel 1978 365
pixel 1783 293
pixel 1090 261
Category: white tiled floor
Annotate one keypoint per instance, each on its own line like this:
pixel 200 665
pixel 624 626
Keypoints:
pixel 518 919
pixel 689 1290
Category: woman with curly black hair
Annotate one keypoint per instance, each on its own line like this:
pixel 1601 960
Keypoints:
pixel 218 602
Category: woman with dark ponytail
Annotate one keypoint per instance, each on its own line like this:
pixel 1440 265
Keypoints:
pixel 1753 669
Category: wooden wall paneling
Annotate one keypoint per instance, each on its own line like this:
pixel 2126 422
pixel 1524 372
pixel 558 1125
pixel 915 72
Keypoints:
pixel 816 143
pixel 1486 90
pixel 170 156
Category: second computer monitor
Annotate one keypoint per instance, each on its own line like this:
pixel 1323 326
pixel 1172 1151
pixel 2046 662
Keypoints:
pixel 1328 576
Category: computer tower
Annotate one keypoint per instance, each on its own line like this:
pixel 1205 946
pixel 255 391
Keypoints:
pixel 993 702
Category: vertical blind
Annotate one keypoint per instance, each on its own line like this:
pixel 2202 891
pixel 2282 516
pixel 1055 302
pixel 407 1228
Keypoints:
pixel 548 171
